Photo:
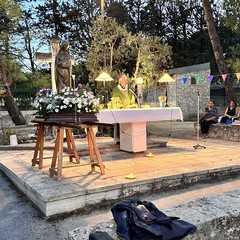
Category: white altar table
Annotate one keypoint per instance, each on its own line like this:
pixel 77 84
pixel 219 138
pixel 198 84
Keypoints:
pixel 133 123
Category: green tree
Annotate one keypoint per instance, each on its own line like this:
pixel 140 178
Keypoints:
pixel 152 57
pixel 114 49
pixel 232 8
pixel 10 14
pixel 108 45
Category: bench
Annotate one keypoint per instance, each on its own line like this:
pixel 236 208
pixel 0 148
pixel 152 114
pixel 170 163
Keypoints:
pixel 225 132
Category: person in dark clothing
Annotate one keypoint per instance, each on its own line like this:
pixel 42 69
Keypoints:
pixel 230 113
pixel 210 117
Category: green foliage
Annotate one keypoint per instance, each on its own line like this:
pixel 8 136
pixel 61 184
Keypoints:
pixel 10 15
pixel 234 60
pixel 38 80
pixel 10 68
pixel 5 135
pixel 232 8
pixel 114 49
pixel 153 57
pixel 108 47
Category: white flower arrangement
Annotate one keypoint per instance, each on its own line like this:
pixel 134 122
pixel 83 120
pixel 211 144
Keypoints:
pixel 70 100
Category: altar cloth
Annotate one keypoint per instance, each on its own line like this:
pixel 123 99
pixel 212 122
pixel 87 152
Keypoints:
pixel 153 114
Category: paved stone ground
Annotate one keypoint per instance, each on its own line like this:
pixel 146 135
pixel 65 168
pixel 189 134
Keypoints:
pixel 19 219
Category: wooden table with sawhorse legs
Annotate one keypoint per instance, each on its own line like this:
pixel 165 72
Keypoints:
pixel 58 148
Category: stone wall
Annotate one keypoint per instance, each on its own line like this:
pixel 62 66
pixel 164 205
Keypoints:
pixel 186 95
pixel 183 95
pixel 225 132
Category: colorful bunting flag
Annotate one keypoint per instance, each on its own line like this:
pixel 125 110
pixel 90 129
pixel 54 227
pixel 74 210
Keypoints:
pixel 197 78
pixel 210 78
pixel 224 76
pixel 238 76
pixel 185 80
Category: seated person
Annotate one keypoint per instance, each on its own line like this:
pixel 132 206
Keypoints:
pixel 230 113
pixel 126 97
pixel 210 117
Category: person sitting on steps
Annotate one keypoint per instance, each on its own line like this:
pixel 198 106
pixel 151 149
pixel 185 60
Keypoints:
pixel 230 113
pixel 210 116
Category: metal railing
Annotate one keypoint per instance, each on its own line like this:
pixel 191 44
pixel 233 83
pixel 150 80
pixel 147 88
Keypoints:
pixel 23 98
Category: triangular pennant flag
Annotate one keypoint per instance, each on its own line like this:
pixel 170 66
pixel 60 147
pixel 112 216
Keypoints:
pixel 197 78
pixel 238 76
pixel 224 76
pixel 210 78
pixel 185 80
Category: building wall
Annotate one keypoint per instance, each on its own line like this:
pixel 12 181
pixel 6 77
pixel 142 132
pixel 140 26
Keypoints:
pixel 183 95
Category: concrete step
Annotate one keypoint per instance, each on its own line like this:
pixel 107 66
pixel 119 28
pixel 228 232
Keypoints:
pixel 206 206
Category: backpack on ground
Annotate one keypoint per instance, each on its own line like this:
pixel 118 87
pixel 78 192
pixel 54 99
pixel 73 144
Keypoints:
pixel 141 220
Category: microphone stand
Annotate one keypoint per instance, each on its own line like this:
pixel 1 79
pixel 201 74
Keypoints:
pixel 198 125
pixel 138 98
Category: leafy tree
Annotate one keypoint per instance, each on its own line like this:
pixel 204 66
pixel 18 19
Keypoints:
pixel 234 58
pixel 117 9
pixel 112 46
pixel 68 21
pixel 108 45
pixel 10 14
pixel 232 8
pixel 136 13
pixel 152 57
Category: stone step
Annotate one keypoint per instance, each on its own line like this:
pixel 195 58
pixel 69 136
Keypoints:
pixel 213 216
pixel 56 198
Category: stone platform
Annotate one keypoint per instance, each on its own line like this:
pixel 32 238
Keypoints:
pixel 175 166
pixel 225 132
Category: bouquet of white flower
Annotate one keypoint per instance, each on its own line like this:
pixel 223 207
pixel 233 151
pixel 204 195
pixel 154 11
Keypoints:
pixel 70 100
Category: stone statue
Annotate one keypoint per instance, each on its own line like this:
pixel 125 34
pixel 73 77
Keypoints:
pixel 63 67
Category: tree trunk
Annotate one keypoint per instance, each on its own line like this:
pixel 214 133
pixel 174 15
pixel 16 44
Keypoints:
pixel 10 103
pixel 13 110
pixel 217 49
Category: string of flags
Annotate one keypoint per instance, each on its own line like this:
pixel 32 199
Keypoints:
pixel 210 77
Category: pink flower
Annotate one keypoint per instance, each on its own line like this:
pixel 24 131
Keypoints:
pixel 79 86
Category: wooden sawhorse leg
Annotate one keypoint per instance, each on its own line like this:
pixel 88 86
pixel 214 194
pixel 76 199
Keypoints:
pixel 39 148
pixel 93 146
pixel 72 150
pixel 58 152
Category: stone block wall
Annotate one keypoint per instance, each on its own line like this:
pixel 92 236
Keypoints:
pixel 225 132
pixel 183 95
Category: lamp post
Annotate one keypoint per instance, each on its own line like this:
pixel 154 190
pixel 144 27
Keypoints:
pixel 167 79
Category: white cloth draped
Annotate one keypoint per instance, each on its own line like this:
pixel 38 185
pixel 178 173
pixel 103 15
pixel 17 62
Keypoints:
pixel 112 116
